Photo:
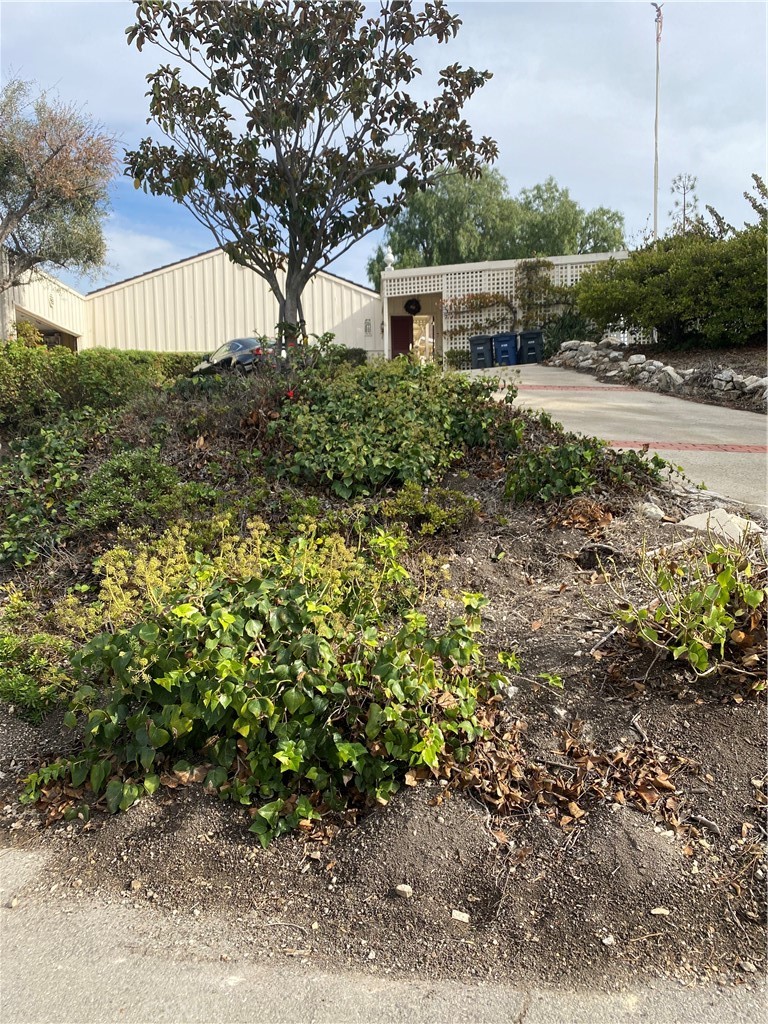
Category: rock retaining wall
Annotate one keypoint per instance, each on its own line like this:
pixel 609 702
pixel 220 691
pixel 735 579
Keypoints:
pixel 608 360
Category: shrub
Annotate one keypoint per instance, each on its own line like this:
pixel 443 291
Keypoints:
pixel 708 610
pixel 130 487
pixel 438 510
pixel 693 288
pixel 383 425
pixel 284 687
pixel 137 487
pixel 28 377
pixel 572 466
pixel 458 359
pixel 556 471
pixel 38 381
pixel 565 326
pixel 39 486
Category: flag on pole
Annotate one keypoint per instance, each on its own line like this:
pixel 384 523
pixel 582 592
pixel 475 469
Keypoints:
pixel 659 21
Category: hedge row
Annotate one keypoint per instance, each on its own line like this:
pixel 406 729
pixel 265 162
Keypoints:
pixel 40 381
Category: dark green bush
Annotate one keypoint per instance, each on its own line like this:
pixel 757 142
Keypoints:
pixel 41 382
pixel 457 359
pixel 40 483
pixel 135 488
pixel 693 288
pixel 567 325
pixel 575 465
pixel 383 425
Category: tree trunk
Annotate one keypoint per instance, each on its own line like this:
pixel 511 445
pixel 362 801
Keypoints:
pixel 291 308
pixel 7 307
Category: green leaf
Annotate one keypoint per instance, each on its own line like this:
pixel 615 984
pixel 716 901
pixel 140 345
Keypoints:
pixel 152 784
pixel 99 772
pixel 148 632
pixel 114 795
pixel 376 718
pixel 131 793
pixel 293 698
pixel 183 611
pixel 78 772
pixel 270 812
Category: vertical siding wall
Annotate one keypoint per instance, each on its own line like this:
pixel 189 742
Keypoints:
pixel 458 281
pixel 54 303
pixel 196 305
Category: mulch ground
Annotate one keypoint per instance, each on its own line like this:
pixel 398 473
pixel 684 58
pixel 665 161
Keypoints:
pixel 662 875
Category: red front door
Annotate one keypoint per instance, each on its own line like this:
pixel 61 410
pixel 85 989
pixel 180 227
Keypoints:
pixel 402 335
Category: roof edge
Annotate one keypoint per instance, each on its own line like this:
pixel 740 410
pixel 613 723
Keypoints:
pixel 201 255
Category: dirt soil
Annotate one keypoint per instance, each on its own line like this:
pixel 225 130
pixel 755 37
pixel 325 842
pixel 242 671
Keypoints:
pixel 743 359
pixel 675 891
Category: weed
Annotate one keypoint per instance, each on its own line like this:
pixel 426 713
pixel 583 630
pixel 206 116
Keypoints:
pixel 32 674
pixel 708 610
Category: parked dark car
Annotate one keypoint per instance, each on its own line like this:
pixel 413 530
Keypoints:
pixel 239 356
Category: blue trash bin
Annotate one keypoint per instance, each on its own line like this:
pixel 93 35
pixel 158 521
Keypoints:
pixel 505 349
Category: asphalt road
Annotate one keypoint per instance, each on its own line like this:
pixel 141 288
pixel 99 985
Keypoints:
pixel 726 449
pixel 79 962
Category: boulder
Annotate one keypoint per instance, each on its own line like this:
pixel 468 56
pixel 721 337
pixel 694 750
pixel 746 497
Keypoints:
pixel 636 359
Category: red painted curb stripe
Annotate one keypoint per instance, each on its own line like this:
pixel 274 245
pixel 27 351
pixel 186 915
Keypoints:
pixel 572 387
pixel 684 446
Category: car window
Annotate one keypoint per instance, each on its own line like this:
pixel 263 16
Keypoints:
pixel 228 348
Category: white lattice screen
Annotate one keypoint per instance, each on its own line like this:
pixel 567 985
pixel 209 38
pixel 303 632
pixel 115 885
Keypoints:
pixel 456 282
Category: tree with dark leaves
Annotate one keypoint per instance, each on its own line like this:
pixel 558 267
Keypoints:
pixel 291 132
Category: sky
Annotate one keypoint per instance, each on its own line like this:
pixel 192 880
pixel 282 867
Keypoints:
pixel 572 96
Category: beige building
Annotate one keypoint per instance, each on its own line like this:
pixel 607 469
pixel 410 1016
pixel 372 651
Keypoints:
pixel 192 306
pixel 196 304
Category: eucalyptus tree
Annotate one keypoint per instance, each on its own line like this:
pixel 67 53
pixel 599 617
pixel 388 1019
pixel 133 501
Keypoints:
pixel 56 164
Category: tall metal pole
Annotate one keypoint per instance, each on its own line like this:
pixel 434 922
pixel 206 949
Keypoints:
pixel 659 23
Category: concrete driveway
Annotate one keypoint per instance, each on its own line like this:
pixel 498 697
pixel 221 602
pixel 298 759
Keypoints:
pixel 724 448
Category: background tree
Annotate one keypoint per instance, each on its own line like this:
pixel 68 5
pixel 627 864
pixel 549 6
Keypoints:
pixel 685 205
pixel 554 224
pixel 457 220
pixel 758 201
pixel 297 135
pixel 467 221
pixel 55 168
